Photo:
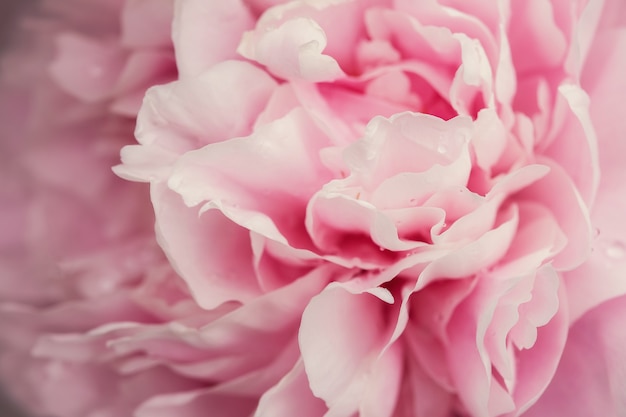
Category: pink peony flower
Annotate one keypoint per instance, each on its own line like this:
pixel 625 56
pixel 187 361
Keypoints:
pixel 368 207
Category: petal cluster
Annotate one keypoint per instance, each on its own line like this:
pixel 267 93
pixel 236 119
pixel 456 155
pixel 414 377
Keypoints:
pixel 374 208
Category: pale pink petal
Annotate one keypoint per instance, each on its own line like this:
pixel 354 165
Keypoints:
pixel 538 239
pixel 490 139
pixel 570 211
pixel 291 396
pixel 536 40
pixel 607 261
pixel 207 33
pixel 262 181
pixel 430 311
pixel 214 106
pixel 293 50
pixel 208 265
pixel 410 142
pixel 341 338
pixel 537 365
pixel 212 346
pixel 471 365
pixel 419 396
pixel 383 388
pixel 308 29
pixel 87 68
pixel 469 259
pixel 196 404
pixel 590 377
pixel 143 69
pixel 575 147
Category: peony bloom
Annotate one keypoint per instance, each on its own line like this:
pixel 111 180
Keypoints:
pixel 379 208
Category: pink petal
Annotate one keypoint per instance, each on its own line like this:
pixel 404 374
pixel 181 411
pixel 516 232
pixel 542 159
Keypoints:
pixel 330 26
pixel 144 69
pixel 575 147
pixel 470 363
pixel 147 23
pixel 537 365
pixel 262 181
pixel 341 338
pixel 603 76
pixel 216 270
pixel 196 404
pixel 291 396
pixel 293 50
pixel 420 396
pixel 570 211
pixel 207 33
pixel 214 106
pixel 86 68
pixel 536 40
pixel 590 377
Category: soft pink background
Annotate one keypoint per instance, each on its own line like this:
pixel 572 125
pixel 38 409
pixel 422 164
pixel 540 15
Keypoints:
pixel 8 10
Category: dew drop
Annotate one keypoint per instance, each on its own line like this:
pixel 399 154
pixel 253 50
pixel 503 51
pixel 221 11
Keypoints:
pixel 596 232
pixel 615 249
pixel 442 148
pixel 380 248
pixel 412 201
pixel 370 154
pixel 460 138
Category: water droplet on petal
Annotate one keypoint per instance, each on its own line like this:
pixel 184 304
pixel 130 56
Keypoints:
pixel 460 138
pixel 380 248
pixel 596 232
pixel 615 249
pixel 370 154
pixel 442 148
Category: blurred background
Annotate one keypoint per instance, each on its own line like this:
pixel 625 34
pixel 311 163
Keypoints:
pixel 9 10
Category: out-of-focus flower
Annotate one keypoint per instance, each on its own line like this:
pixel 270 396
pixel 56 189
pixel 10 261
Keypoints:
pixel 378 208
pixel 77 248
